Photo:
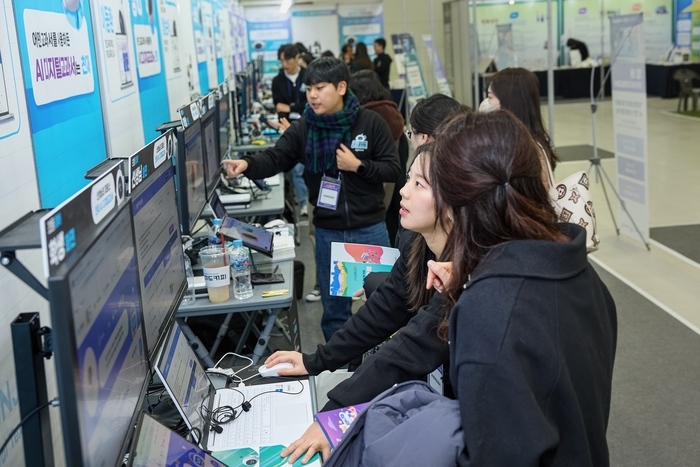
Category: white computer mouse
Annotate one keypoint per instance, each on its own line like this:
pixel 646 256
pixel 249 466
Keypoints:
pixel 271 372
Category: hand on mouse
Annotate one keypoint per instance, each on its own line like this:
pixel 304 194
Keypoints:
pixel 287 356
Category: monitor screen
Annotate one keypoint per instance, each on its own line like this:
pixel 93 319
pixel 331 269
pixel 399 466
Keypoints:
pixel 157 445
pixel 224 126
pixel 184 377
pixel 111 362
pixel 211 158
pixel 217 206
pixel 253 237
pixel 194 175
pixel 159 253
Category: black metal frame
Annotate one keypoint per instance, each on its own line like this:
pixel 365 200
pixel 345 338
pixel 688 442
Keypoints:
pixel 31 343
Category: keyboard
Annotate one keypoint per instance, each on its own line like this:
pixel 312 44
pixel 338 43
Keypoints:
pixel 251 428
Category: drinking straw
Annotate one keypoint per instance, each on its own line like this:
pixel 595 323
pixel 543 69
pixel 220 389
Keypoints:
pixel 223 246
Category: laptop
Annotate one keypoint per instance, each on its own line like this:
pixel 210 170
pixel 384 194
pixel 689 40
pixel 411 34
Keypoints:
pixel 157 445
pixel 279 414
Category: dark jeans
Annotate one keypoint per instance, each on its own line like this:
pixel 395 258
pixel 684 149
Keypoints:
pixel 337 310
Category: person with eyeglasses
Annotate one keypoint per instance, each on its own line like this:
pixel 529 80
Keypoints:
pixel 427 116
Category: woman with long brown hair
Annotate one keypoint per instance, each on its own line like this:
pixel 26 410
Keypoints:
pixel 533 329
pixel 401 306
pixel 518 90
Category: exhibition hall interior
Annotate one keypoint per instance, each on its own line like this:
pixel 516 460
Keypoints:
pixel 399 232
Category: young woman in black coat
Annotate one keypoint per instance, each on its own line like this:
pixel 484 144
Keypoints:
pixel 395 308
pixel 533 329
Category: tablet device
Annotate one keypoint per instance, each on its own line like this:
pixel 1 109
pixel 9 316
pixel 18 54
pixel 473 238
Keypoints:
pixel 255 238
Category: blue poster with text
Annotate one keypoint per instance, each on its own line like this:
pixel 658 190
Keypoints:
pixel 149 64
pixel 63 98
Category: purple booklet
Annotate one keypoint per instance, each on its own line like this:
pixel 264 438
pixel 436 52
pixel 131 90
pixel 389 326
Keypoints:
pixel 336 422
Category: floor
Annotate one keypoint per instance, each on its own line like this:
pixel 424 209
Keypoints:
pixel 654 411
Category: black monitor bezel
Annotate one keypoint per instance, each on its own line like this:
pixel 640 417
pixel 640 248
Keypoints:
pixel 224 97
pixel 210 116
pixel 67 363
pixel 180 293
pixel 181 173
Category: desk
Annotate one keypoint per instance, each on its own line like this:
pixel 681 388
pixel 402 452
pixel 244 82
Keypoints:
pixel 569 83
pixel 202 307
pixel 270 204
pixel 660 80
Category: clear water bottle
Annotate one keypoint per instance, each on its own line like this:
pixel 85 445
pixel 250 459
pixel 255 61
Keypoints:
pixel 214 238
pixel 188 299
pixel 240 270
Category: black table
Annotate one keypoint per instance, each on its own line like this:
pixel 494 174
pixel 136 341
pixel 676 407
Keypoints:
pixel 660 80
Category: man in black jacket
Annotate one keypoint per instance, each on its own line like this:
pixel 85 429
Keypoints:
pixel 348 153
pixel 382 62
pixel 288 88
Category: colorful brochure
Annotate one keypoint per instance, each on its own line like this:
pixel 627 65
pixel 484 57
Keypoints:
pixel 336 422
pixel 351 262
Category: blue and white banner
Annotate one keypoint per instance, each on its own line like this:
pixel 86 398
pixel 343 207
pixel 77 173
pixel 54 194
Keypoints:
pixel 239 41
pixel 684 23
pixel 443 86
pixel 406 57
pixel 208 33
pixel 174 55
pixel 116 57
pixel 268 30
pixel 361 23
pixel 63 99
pixel 200 45
pixel 630 121
pixel 219 38
pixel 151 74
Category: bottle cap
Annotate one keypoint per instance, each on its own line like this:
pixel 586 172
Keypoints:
pixel 238 243
pixel 216 221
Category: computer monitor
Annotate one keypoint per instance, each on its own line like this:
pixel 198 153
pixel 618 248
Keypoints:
pixel 210 133
pixel 191 185
pixel 244 93
pixel 101 361
pixel 185 380
pixel 157 445
pixel 159 252
pixel 224 121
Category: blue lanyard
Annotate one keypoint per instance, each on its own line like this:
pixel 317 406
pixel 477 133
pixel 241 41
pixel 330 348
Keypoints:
pixel 296 86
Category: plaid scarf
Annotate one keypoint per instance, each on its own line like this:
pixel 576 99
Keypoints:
pixel 326 132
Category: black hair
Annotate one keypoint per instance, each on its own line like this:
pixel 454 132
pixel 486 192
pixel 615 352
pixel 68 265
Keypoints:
pixel 307 57
pixel 281 50
pixel 326 70
pixel 362 56
pixel 290 51
pixel 366 86
pixel 302 48
pixel 327 53
pixel 429 113
pixel 381 41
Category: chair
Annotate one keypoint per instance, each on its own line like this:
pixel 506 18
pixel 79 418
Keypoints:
pixel 685 78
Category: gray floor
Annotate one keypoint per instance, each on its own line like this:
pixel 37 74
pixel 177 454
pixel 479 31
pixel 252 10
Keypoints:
pixel 654 415
pixel 685 239
pixel 581 153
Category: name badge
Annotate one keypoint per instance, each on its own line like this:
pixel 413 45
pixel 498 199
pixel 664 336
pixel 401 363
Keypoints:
pixel 329 193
